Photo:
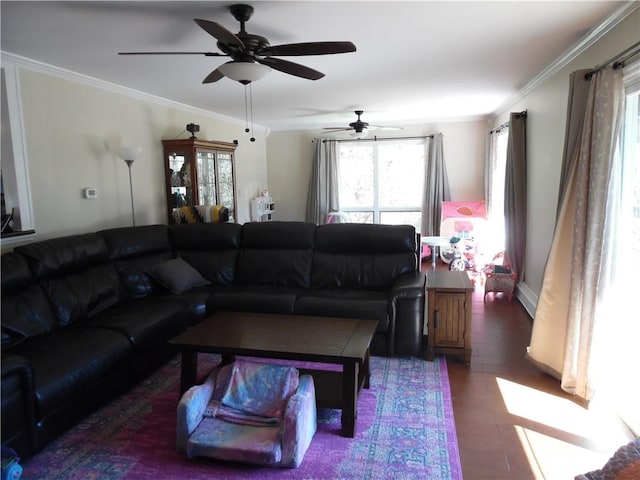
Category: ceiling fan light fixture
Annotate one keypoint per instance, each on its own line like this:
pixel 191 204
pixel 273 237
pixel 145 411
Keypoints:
pixel 244 72
pixel 358 135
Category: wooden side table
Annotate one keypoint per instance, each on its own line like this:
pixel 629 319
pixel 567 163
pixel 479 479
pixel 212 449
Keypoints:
pixel 449 314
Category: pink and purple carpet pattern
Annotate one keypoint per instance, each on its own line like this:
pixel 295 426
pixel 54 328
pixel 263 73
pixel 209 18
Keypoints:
pixel 405 430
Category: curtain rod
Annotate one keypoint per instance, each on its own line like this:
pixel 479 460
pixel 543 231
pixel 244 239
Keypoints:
pixel 500 128
pixel 377 139
pixel 506 124
pixel 617 60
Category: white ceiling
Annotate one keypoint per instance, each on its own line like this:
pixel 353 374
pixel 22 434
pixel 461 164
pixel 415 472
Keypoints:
pixel 416 62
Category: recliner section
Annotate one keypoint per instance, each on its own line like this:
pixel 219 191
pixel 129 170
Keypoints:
pixel 82 321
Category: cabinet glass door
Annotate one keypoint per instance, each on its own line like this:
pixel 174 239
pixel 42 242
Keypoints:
pixel 206 176
pixel 181 188
pixel 225 176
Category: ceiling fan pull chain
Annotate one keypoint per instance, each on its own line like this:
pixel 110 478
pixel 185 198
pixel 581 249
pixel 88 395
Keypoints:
pixel 246 111
pixel 251 106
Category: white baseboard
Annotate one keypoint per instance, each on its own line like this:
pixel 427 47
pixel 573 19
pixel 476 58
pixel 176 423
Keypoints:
pixel 527 298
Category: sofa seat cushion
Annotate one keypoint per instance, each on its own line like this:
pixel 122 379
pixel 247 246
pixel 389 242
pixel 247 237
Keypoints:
pixel 146 322
pixel 347 303
pixel 255 298
pixel 195 301
pixel 71 361
pixel 234 442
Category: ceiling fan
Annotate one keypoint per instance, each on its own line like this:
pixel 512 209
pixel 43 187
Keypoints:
pixel 360 128
pixel 252 55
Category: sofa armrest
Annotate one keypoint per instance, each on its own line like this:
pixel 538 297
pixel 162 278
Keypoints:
pixel 300 423
pixel 191 409
pixel 407 302
pixel 409 285
pixel 18 405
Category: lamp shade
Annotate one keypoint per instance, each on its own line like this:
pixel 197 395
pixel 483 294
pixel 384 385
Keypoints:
pixel 358 135
pixel 244 72
pixel 129 154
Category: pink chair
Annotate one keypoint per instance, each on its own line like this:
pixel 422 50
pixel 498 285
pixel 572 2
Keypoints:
pixel 249 412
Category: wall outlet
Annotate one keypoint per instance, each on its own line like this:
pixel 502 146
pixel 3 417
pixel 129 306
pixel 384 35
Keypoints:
pixel 90 193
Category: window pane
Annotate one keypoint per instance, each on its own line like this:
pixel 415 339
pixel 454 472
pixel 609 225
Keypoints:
pixel 401 218
pixel 355 164
pixel 361 217
pixel 382 175
pixel 401 174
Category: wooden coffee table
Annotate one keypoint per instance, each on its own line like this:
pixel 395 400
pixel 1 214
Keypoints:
pixel 342 341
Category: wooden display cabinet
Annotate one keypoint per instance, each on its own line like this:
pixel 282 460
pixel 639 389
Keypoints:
pixel 199 172
pixel 449 314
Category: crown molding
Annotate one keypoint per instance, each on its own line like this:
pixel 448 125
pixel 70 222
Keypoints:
pixel 41 67
pixel 568 56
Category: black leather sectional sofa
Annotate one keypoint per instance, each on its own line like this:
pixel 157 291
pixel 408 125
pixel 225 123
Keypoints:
pixel 86 316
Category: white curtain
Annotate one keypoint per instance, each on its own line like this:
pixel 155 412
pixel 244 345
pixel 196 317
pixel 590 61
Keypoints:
pixel 570 310
pixel 494 182
pixel 323 185
pixel 436 187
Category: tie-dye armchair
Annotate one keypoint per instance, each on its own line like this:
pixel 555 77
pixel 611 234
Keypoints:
pixel 249 412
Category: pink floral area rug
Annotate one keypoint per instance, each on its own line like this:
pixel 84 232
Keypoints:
pixel 405 430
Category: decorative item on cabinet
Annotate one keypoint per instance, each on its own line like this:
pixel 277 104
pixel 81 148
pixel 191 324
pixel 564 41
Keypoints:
pixel 262 207
pixel 199 172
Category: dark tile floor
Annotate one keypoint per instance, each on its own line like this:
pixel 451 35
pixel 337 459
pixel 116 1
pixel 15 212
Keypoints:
pixel 500 403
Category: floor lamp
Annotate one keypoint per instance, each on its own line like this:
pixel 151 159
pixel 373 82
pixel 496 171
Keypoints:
pixel 129 155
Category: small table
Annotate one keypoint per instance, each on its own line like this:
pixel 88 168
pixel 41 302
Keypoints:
pixel 449 314
pixel 343 341
pixel 434 243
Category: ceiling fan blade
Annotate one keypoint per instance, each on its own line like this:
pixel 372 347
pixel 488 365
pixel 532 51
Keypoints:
pixel 291 68
pixel 308 48
pixel 206 54
pixel 219 32
pixel 380 127
pixel 213 76
pixel 335 130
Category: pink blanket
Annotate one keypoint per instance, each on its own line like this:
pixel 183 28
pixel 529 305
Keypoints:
pixel 256 393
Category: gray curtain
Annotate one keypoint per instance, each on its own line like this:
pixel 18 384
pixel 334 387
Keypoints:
pixel 436 187
pixel 572 308
pixel 576 108
pixel 323 185
pixel 515 193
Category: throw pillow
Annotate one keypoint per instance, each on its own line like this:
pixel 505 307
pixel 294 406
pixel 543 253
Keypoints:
pixel 177 276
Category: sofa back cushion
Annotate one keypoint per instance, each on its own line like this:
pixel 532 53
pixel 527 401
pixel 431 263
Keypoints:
pixel 74 275
pixel 276 253
pixel 211 248
pixel 131 251
pixel 25 309
pixel 365 256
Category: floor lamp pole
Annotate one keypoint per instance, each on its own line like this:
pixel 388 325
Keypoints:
pixel 133 214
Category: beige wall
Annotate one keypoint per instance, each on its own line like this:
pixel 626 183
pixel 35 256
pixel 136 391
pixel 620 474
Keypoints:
pixel 547 109
pixel 289 157
pixel 73 130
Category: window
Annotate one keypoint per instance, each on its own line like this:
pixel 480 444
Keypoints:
pixel 14 172
pixel 627 260
pixel 382 181
pixel 617 339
